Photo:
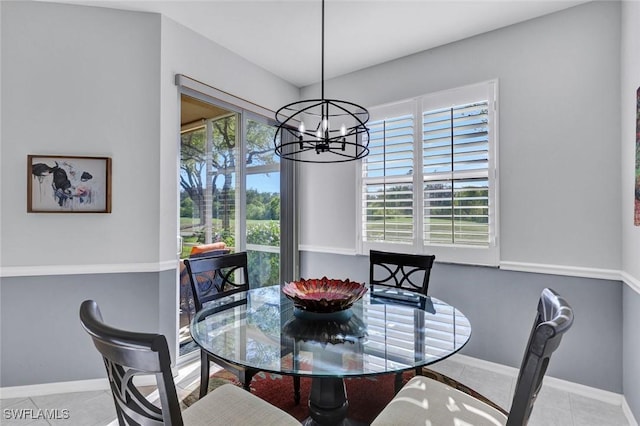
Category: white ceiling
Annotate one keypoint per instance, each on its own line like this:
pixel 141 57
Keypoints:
pixel 284 37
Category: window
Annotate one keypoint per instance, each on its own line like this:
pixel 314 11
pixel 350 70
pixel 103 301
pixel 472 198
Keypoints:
pixel 429 183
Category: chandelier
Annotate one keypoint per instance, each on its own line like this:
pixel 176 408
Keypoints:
pixel 322 130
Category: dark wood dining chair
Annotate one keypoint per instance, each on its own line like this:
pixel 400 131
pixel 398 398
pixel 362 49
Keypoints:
pixel 217 276
pixel 128 354
pixel 213 278
pixel 401 273
pixel 187 307
pixel 446 402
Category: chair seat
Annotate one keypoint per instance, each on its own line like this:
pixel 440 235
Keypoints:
pixel 231 405
pixel 426 401
pixel 423 401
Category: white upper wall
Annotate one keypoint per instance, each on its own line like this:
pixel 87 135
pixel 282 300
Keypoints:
pixel 185 52
pixel 81 80
pixel 559 135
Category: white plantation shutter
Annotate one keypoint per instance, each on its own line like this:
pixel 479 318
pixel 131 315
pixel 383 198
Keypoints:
pixel 456 138
pixel 387 175
pixel 429 183
pixel 455 169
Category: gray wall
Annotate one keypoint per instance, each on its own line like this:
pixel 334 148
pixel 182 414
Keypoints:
pixel 501 306
pixel 80 80
pixel 630 234
pixel 42 339
pixel 77 81
pixel 630 42
pixel 631 349
pixel 559 135
pixel 559 160
pixel 69 72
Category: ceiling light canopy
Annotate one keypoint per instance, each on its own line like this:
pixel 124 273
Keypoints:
pixel 322 130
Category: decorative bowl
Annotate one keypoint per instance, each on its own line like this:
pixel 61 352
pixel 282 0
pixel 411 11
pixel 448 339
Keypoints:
pixel 326 331
pixel 323 295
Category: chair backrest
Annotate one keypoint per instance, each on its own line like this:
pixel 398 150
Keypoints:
pixel 399 270
pixel 186 294
pixel 212 278
pixel 127 354
pixel 553 319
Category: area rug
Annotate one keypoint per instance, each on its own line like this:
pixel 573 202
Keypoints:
pixel 367 396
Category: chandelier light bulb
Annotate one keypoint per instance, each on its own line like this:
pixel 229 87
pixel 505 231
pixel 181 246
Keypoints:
pixel 301 128
pixel 343 130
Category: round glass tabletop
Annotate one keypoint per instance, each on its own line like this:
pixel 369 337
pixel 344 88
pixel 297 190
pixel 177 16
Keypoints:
pixel 381 333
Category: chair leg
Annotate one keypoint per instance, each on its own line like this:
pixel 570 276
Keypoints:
pixel 296 389
pixel 398 382
pixel 204 373
pixel 245 377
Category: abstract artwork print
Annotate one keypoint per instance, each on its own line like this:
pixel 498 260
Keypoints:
pixel 636 217
pixel 58 184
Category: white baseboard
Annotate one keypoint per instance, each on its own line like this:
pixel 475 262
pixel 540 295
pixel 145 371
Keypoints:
pixel 69 387
pixel 187 368
pixel 627 412
pixel 54 388
pixel 560 384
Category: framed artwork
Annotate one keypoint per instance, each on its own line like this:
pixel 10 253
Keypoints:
pixel 67 184
pixel 636 216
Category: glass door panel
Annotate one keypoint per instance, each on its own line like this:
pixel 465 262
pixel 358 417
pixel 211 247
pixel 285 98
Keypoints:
pixel 208 178
pixel 230 193
pixel 262 203
pixel 209 200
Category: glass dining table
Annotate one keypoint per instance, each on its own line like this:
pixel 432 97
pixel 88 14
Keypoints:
pixel 383 333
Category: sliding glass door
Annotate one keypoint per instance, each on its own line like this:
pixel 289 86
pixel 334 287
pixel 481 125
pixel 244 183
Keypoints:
pixel 230 193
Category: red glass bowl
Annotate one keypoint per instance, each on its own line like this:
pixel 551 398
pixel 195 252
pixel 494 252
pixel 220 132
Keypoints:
pixel 324 295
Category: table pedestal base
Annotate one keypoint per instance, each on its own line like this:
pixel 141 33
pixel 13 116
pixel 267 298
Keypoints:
pixel 346 422
pixel 328 403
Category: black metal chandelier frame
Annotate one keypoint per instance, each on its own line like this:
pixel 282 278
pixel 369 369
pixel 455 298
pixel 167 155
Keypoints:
pixel 349 142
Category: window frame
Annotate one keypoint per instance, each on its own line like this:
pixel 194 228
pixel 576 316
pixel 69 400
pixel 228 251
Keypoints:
pixel 450 253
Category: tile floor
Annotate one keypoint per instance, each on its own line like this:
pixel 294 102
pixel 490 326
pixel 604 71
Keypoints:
pixel 553 407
